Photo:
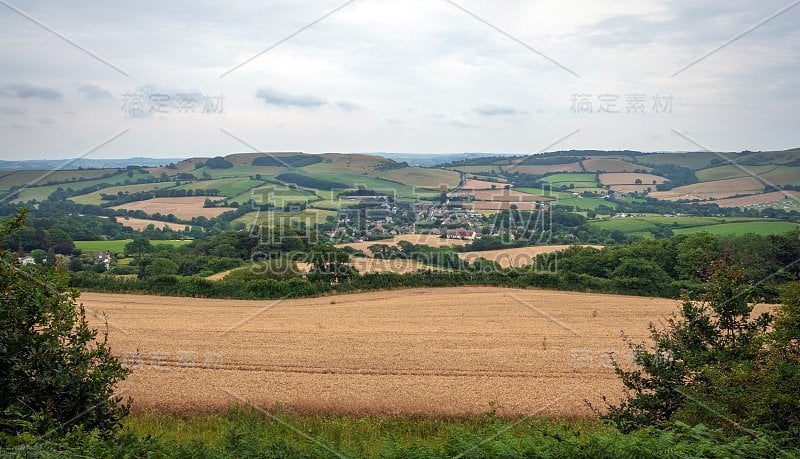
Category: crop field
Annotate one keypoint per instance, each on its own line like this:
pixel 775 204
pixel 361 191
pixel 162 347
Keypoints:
pixel 309 217
pixel 515 257
pixel 435 179
pixel 183 208
pixel 140 223
pixel 758 199
pixel 472 184
pixel 717 189
pixel 439 352
pixel 93 198
pixel 504 195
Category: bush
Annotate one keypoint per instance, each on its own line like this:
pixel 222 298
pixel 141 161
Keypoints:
pixel 54 373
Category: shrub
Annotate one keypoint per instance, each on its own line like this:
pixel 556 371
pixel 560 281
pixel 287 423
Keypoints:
pixel 54 373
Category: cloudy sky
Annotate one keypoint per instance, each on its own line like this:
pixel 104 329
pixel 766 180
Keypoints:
pixel 192 78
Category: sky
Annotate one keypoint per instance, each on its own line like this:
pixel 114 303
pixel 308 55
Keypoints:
pixel 199 78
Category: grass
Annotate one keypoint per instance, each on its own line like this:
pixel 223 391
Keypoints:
pixel 761 227
pixel 368 436
pixel 310 217
pixel 685 225
pixel 731 171
pixel 118 246
pixel 252 433
pixel 227 187
pixel 584 203
pixel 280 194
pixel 578 179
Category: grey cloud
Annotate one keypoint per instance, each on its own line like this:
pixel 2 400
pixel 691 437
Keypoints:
pixel 498 110
pixel 348 106
pixel 28 91
pixel 46 120
pixel 272 96
pixel 93 92
pixel 11 110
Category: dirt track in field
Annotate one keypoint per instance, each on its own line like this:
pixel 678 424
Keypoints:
pixel 447 351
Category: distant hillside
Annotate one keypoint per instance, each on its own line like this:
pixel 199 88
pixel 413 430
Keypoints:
pixel 433 159
pixel 728 179
pixel 82 163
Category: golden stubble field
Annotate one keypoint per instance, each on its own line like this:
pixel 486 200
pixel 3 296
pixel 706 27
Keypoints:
pixel 441 352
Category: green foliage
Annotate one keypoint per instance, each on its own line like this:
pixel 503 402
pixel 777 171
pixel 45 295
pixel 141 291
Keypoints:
pixel 718 365
pixel 248 434
pixel 218 162
pixel 287 161
pixel 308 181
pixel 54 373
pixel 161 267
pixel 272 268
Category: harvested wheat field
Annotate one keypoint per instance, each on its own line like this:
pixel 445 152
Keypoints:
pixel 446 351
pixel 505 195
pixel 140 224
pixel 516 257
pixel 717 189
pixel 474 184
pixel 377 265
pixel 758 199
pixel 183 208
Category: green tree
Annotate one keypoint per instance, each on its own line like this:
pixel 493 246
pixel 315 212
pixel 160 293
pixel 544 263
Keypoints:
pixel 54 372
pixel 39 256
pixel 161 267
pixel 694 371
pixel 139 246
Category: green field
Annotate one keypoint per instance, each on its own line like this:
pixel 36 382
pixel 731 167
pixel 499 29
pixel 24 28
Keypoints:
pixel 10 179
pixel 94 197
pixel 227 187
pixel 41 193
pixel 118 246
pixel 685 225
pixel 267 172
pixel 583 203
pixel 732 171
pixel 577 179
pixel 280 193
pixel 760 227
